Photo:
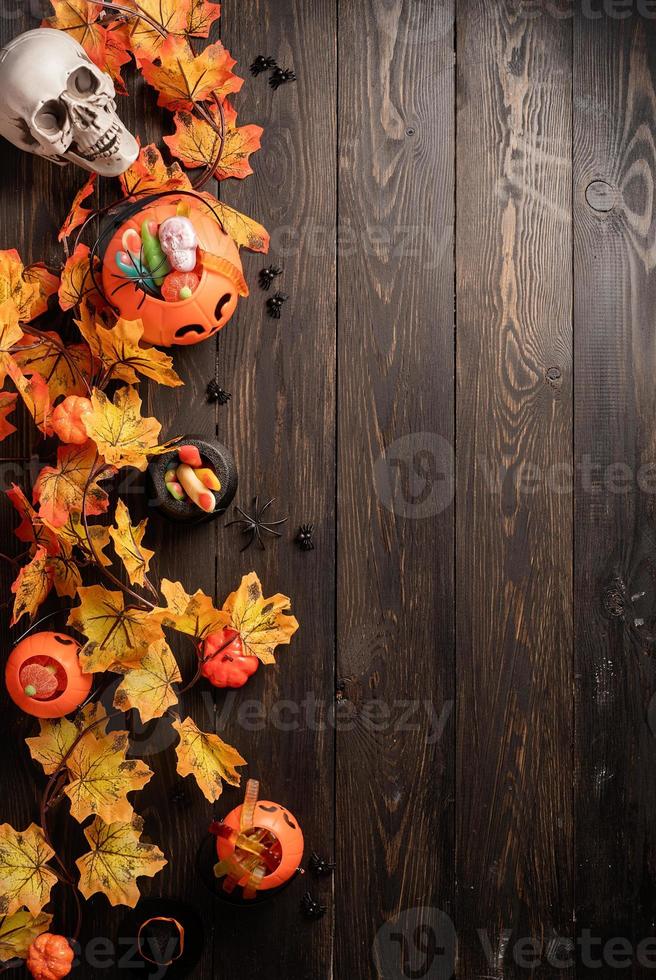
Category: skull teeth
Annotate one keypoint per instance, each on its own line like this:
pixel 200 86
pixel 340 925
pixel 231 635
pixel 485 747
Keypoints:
pixel 105 147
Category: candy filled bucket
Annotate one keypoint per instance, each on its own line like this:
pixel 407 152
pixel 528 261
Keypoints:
pixel 171 265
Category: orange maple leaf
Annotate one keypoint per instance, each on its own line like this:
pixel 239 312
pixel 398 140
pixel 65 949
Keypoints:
pixel 117 53
pixel 78 214
pixel 195 143
pixel 173 17
pixel 59 490
pixel 47 284
pixel 183 79
pixel 201 17
pixel 7 405
pixel 31 529
pixel 79 18
pixel 149 172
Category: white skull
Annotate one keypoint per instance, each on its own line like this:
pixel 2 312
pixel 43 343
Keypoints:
pixel 179 241
pixel 56 103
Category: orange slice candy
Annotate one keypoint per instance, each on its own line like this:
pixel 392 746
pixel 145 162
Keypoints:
pixel 179 285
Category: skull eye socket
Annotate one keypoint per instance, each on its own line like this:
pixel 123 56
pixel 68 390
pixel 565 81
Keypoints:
pixel 82 82
pixel 51 117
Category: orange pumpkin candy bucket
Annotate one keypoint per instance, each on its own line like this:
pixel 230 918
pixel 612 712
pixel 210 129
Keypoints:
pixel 44 677
pixel 259 844
pixel 208 292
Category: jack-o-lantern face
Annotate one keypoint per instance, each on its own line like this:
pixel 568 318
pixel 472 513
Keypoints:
pixel 211 303
pixel 287 850
pixel 44 677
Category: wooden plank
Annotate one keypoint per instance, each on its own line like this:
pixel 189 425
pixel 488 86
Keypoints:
pixel 281 424
pixel 396 520
pixel 513 541
pixel 615 407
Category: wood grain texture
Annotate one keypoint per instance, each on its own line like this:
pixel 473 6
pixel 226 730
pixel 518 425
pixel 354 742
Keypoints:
pixel 395 514
pixel 514 862
pixel 281 424
pixel 615 407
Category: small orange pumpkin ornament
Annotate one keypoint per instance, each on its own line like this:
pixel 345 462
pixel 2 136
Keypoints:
pixel 49 957
pixel 211 303
pixel 68 419
pixel 44 677
pixel 260 845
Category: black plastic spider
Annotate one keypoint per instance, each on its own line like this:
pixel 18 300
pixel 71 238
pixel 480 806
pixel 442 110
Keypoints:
pixel 268 275
pixel 280 76
pixel 215 393
pixel 254 525
pixel 274 304
pixel 304 537
pixel 310 908
pixel 319 867
pixel 262 63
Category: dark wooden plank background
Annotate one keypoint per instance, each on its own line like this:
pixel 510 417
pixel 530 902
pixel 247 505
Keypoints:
pixel 460 395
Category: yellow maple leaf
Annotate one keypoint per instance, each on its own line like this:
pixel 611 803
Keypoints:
pixel 77 282
pixel 122 436
pixel 261 623
pixel 59 490
pixel 244 231
pixel 123 357
pixel 32 586
pixel 194 614
pixel 127 540
pixel 196 143
pixel 101 776
pixel 18 932
pixel 117 858
pixel 25 878
pixel 62 370
pixel 116 635
pixel 51 746
pixel 150 173
pixel 182 78
pixel 73 535
pixel 15 287
pixel 207 758
pixel 10 331
pixel 55 740
pixel 34 392
pixel 148 687
pixel 66 576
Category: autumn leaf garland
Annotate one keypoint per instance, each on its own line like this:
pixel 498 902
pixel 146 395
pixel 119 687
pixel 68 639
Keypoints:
pixel 70 523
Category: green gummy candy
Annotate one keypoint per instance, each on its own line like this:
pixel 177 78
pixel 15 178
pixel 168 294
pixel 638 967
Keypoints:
pixel 30 690
pixel 156 261
pixel 185 292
